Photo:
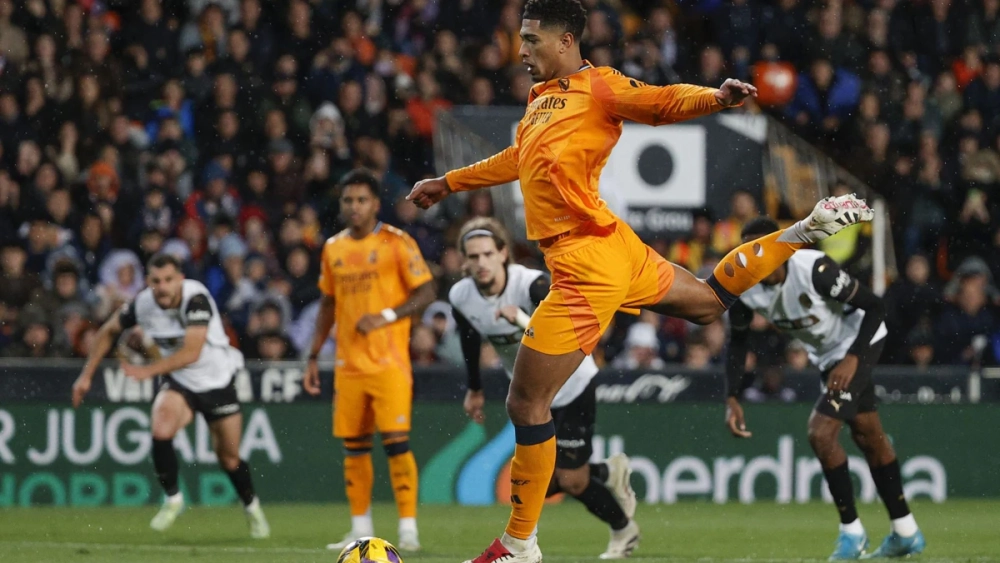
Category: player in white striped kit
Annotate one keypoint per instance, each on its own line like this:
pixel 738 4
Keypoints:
pixel 839 321
pixel 495 302
pixel 198 366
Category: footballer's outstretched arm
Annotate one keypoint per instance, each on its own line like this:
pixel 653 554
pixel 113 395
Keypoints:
pixel 627 98
pixel 498 169
pixel 105 339
pixel 740 317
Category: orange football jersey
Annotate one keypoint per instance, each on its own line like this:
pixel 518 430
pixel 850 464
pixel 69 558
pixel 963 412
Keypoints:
pixel 364 277
pixel 564 140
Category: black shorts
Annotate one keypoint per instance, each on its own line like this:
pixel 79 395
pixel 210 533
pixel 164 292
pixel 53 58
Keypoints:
pixel 575 429
pixel 214 404
pixel 860 395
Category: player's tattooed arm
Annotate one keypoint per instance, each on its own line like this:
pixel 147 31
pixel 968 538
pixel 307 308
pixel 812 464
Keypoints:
pixel 834 283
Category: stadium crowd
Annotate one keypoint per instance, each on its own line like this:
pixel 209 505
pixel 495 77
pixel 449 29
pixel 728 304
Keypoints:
pixel 217 130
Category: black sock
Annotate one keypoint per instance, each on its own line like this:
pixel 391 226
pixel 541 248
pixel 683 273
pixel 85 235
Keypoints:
pixel 839 481
pixel 599 471
pixel 242 482
pixel 165 464
pixel 889 483
pixel 601 503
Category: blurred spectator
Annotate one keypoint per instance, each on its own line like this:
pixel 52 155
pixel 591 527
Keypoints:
pixel 13 40
pixel 207 32
pixel 641 348
pixel 438 316
pixel 273 346
pixel 17 285
pixel 825 98
pixel 302 275
pixel 120 280
pixel 696 352
pixel 34 337
pixel 770 387
pixel 968 314
pixel 423 106
pixel 919 348
pixel 911 301
pixel 726 233
pixel 983 93
pixel 796 356
pixel 984 25
pixel 63 289
pixel 422 346
pixel 782 25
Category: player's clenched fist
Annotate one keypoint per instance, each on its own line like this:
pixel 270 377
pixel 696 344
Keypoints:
pixel 732 92
pixel 426 193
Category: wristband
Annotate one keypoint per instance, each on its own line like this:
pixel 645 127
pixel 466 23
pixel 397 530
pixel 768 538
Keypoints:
pixel 313 357
pixel 389 315
pixel 522 319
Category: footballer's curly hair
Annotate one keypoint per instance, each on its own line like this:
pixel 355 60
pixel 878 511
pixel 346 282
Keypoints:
pixel 569 15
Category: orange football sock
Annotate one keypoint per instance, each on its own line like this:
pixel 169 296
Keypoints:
pixel 749 263
pixel 530 473
pixel 358 478
pixel 403 474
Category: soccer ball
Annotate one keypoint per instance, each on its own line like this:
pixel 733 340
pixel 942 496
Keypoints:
pixel 369 550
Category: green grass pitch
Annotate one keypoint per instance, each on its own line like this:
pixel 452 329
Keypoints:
pixel 957 531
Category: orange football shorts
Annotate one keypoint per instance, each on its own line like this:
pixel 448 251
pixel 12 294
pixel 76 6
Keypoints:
pixel 596 271
pixel 362 404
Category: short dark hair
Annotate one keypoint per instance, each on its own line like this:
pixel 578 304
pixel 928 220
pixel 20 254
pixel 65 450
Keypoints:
pixel 759 226
pixel 162 259
pixel 569 15
pixel 361 176
pixel 65 267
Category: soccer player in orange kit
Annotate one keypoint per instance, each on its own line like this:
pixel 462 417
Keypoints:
pixel 373 278
pixel 598 264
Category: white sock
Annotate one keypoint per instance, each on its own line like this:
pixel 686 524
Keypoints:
pixel 253 504
pixel 515 545
pixel 905 526
pixel 408 524
pixel 176 498
pixel 362 525
pixel 854 528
